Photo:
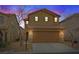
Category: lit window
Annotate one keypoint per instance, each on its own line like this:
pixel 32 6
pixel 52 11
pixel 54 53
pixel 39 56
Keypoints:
pixel 55 19
pixel 36 18
pixel 46 19
pixel 27 22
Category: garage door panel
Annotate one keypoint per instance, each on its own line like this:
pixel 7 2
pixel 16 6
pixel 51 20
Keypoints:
pixel 45 36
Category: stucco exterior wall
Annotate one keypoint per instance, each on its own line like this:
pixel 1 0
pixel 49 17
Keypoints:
pixel 42 31
pixel 41 19
pixel 71 27
pixel 10 27
pixel 13 27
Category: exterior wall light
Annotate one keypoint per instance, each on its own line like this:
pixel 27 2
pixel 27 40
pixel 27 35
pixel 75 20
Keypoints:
pixel 27 22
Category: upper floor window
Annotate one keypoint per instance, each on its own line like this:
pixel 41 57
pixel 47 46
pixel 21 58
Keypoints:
pixel 36 18
pixel 55 19
pixel 27 22
pixel 46 19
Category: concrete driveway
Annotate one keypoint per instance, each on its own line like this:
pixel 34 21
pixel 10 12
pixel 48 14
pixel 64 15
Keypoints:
pixel 44 48
pixel 52 48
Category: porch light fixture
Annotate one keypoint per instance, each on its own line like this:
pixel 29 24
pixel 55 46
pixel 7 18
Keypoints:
pixel 61 34
pixel 30 34
pixel 27 22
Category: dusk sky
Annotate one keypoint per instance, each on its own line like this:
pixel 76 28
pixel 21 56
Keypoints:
pixel 63 10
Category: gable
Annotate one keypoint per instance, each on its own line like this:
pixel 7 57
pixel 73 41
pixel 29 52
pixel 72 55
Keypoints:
pixel 44 11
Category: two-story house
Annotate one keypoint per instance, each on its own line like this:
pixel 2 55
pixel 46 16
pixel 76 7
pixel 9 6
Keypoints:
pixel 9 29
pixel 42 26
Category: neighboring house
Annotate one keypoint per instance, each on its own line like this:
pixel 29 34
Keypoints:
pixel 9 28
pixel 71 25
pixel 43 26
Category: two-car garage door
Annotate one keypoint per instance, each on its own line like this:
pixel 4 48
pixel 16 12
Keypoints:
pixel 45 36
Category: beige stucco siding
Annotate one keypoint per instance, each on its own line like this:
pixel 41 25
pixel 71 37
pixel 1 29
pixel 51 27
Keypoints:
pixel 41 19
pixel 71 27
pixel 42 31
pixel 13 28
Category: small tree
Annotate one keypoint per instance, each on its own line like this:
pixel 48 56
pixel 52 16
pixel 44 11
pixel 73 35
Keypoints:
pixel 20 16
